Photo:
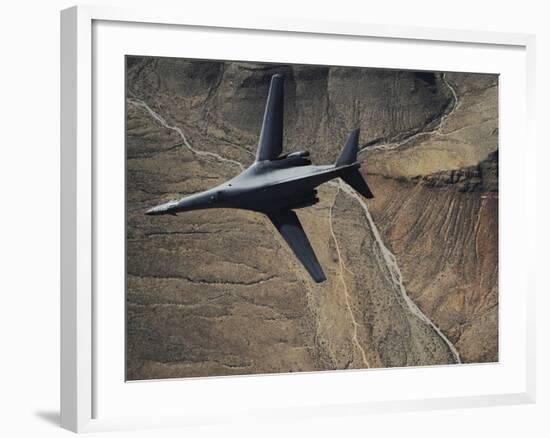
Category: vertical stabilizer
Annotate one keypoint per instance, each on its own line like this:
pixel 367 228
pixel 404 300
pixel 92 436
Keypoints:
pixel 270 145
pixel 349 156
pixel 349 153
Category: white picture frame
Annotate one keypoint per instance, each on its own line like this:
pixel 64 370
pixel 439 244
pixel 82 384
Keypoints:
pixel 79 198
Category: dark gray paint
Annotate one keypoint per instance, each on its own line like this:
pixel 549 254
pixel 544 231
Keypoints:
pixel 275 185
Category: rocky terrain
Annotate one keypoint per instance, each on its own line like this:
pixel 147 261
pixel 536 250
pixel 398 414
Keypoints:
pixel 412 274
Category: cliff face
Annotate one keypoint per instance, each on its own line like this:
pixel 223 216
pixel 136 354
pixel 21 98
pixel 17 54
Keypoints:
pixel 443 232
pixel 412 274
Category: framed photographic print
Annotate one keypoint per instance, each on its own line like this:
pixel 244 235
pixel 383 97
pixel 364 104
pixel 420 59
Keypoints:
pixel 286 217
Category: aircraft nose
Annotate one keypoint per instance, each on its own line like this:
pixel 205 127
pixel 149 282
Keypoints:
pixel 166 208
pixel 196 201
pixel 156 211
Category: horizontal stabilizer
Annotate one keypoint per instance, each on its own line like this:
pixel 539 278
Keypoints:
pixel 288 224
pixel 356 180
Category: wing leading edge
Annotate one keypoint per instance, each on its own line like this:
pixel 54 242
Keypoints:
pixel 288 224
pixel 270 145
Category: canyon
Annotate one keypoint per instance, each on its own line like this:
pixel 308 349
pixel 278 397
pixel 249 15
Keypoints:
pixel 412 275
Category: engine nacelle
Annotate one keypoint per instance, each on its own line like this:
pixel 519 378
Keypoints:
pixel 305 202
pixel 298 154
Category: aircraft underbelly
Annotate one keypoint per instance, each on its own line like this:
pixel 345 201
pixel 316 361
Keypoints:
pixel 291 193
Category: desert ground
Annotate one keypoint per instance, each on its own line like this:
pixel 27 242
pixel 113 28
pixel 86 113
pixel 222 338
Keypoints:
pixel 412 275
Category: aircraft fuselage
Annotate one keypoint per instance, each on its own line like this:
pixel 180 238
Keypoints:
pixel 276 184
pixel 288 182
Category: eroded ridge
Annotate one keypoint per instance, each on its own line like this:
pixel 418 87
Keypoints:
pixel 394 271
pixel 140 104
pixel 436 130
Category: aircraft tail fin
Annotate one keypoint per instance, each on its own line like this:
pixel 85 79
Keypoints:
pixel 349 156
pixel 270 145
pixel 349 153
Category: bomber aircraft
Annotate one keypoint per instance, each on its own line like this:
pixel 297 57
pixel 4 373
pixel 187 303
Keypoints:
pixel 276 184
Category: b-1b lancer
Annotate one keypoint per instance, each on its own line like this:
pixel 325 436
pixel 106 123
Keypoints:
pixel 276 184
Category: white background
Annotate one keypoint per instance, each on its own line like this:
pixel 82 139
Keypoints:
pixel 29 218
